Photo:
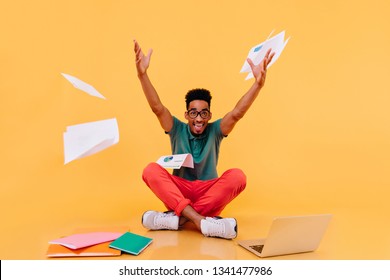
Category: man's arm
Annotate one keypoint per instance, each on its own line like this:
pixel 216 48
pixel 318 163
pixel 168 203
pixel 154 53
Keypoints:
pixel 142 64
pixel 259 72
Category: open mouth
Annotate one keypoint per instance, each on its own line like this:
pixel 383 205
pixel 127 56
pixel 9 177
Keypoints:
pixel 198 127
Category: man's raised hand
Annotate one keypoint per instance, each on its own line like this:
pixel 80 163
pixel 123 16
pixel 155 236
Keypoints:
pixel 141 61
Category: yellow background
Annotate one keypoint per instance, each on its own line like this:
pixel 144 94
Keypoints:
pixel 315 141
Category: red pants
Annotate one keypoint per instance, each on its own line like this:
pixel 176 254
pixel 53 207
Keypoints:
pixel 208 197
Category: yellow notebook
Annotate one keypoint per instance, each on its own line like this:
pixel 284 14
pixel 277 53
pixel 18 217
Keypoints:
pixel 99 250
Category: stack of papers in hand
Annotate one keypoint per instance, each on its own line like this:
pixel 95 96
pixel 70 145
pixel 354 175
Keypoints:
pixel 89 138
pixel 257 53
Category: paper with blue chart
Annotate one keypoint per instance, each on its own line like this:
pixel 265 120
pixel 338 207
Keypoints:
pixel 257 53
pixel 176 161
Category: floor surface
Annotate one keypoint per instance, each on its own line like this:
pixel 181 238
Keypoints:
pixel 351 235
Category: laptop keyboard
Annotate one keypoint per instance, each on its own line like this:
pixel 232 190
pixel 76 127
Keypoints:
pixel 257 248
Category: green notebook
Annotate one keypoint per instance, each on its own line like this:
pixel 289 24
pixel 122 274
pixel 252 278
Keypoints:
pixel 131 243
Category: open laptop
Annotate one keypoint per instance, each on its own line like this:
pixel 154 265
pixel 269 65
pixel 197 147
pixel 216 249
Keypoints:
pixel 290 235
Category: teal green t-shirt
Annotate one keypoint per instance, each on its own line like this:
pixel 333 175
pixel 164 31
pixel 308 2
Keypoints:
pixel 204 149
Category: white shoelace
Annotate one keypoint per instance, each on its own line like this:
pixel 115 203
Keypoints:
pixel 162 220
pixel 215 227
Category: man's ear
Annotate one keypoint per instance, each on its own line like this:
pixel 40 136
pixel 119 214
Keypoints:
pixel 186 115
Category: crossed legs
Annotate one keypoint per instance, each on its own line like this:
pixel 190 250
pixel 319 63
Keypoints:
pixel 194 200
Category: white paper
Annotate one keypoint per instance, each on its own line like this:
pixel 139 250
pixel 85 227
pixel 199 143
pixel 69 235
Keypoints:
pixel 86 139
pixel 257 53
pixel 176 161
pixel 79 84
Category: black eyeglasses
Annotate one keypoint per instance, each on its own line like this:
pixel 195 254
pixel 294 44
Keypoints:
pixel 204 114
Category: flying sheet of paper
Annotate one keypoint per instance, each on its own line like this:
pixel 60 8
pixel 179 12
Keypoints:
pixel 176 161
pixel 86 139
pixel 79 84
pixel 257 53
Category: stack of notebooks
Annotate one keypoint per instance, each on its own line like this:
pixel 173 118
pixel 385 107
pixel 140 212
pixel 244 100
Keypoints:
pixel 97 243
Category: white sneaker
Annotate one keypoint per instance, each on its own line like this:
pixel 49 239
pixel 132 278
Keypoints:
pixel 158 220
pixel 219 227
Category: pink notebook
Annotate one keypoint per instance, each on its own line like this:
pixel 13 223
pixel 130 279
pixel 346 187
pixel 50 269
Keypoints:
pixel 81 240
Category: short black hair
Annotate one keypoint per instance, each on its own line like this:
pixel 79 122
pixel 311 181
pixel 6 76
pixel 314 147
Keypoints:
pixel 198 94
